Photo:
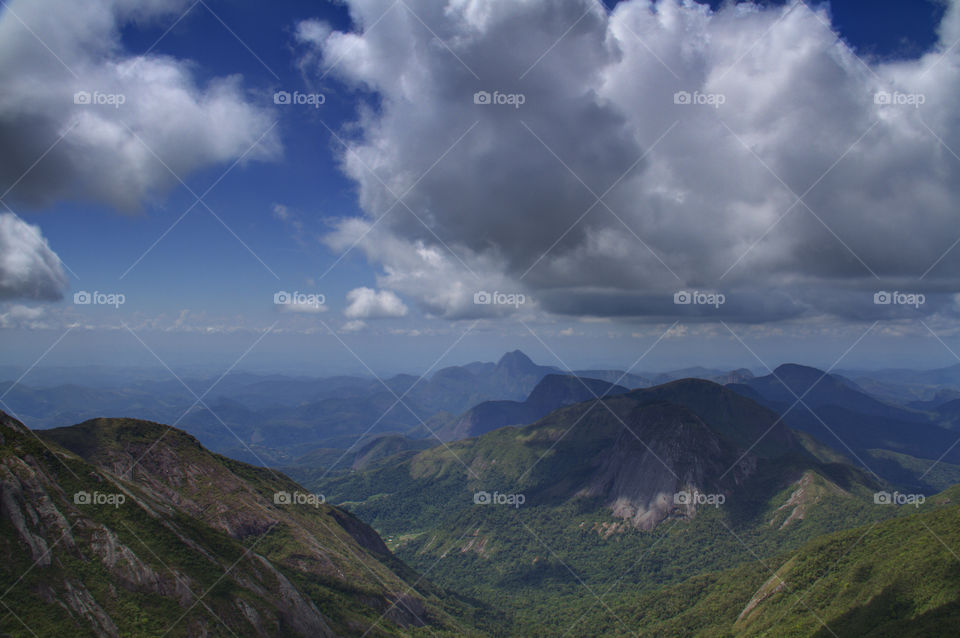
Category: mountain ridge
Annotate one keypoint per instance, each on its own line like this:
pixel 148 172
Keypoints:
pixel 96 531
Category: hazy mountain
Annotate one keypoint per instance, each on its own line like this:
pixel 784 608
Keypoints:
pixel 275 418
pixel 699 372
pixel 906 386
pixel 552 392
pixel 838 413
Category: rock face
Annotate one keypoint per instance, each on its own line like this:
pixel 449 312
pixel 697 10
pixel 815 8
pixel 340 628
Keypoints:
pixel 663 450
pixel 115 515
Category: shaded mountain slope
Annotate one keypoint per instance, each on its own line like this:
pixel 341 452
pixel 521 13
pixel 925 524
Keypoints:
pixel 552 392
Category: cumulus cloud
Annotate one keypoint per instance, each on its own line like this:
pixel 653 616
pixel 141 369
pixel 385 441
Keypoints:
pixel 367 303
pixel 658 147
pixel 110 126
pixel 29 269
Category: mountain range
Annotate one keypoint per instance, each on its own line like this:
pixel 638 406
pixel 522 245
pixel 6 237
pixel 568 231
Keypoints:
pixel 730 505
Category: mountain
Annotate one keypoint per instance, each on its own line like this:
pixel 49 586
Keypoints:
pixel 699 372
pixel 552 392
pixel 645 489
pixel 818 388
pixel 908 386
pixel 686 508
pixel 838 413
pixel 118 527
pixel 938 377
pixel 949 413
pixel 274 419
pixel 365 453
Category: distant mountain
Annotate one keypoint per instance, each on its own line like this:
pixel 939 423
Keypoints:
pixel 838 413
pixel 939 398
pixel 948 376
pixel 117 527
pixel 274 419
pixel 710 374
pixel 790 381
pixel 907 386
pixel 949 414
pixel 552 392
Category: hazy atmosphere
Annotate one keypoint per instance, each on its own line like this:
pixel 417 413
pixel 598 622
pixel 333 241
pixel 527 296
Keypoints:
pixel 677 281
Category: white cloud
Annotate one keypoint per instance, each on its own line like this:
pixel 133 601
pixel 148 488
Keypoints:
pixel 509 202
pixel 118 154
pixel 355 325
pixel 367 303
pixel 18 316
pixel 29 269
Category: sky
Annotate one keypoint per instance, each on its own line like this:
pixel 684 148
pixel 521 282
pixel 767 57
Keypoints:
pixel 379 186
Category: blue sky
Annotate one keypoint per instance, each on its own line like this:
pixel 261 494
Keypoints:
pixel 686 213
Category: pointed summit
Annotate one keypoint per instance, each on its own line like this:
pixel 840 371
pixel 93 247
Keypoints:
pixel 517 362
